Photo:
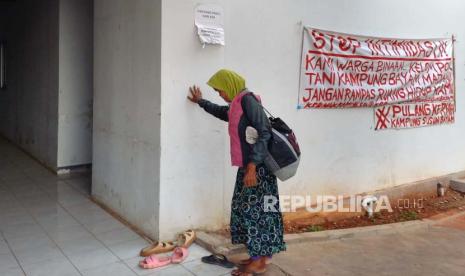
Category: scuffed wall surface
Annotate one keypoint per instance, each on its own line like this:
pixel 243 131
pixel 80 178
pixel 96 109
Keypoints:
pixel 126 129
pixel 342 154
pixel 75 83
pixel 29 105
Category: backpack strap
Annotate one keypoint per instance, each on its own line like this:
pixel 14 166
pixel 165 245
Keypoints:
pixel 266 110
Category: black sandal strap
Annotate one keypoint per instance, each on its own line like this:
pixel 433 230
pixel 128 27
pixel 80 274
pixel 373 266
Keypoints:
pixel 218 259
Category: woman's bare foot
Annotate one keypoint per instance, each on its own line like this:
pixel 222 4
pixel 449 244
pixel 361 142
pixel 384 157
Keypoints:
pixel 249 260
pixel 245 261
pixel 252 268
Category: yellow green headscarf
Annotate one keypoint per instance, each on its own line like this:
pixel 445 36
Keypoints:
pixel 227 81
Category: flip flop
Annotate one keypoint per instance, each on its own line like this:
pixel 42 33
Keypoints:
pixel 156 248
pixel 153 262
pixel 179 255
pixel 186 239
pixel 218 259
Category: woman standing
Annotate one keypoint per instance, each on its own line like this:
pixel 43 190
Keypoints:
pixel 260 230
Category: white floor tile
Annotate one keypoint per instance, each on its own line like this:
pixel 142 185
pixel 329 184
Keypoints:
pixel 39 239
pixel 73 199
pixel 78 246
pixel 4 249
pixel 199 268
pixel 103 226
pixel 7 261
pixel 114 269
pixel 196 252
pixel 13 175
pixel 38 255
pixel 40 174
pixel 17 216
pixel 47 210
pixel 6 194
pixel 49 187
pixel 11 271
pixel 56 187
pixel 26 191
pixel 74 232
pixel 82 208
pixel 81 184
pixel 91 216
pixel 58 222
pixel 7 207
pixel 177 270
pixel 33 201
pixel 129 249
pixel 49 226
pixel 56 267
pixel 3 186
pixel 92 259
pixel 117 236
pixel 22 230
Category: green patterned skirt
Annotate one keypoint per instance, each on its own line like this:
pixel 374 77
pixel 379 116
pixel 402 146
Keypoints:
pixel 259 229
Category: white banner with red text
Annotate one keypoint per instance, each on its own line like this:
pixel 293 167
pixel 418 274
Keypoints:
pixel 345 71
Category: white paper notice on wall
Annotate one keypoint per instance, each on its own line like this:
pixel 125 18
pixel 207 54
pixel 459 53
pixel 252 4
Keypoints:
pixel 209 23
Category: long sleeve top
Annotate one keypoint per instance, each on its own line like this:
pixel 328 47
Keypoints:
pixel 253 116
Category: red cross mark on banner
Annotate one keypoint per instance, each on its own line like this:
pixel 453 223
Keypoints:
pixel 382 117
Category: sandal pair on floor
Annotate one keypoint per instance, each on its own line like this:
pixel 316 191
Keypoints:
pixel 153 261
pixel 184 240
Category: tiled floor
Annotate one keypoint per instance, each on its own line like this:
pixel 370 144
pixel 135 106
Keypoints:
pixel 48 226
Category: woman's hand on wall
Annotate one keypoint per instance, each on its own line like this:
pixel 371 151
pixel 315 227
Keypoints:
pixel 195 94
pixel 250 177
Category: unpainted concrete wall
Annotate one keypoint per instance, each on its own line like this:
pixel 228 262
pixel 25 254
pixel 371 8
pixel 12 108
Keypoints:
pixel 75 83
pixel 126 128
pixel 47 108
pixel 29 106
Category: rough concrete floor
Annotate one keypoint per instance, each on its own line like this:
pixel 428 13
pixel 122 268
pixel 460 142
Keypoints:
pixel 439 250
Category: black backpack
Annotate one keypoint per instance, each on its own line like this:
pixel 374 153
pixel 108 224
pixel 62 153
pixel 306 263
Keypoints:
pixel 283 150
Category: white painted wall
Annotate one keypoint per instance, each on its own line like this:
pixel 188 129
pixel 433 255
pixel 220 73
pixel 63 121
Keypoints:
pixel 29 106
pixel 75 83
pixel 341 151
pixel 126 128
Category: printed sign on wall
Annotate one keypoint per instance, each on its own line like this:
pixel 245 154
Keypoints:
pixel 209 23
pixel 344 71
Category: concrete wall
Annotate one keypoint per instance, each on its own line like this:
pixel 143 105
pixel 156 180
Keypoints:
pixel 75 83
pixel 49 72
pixel 29 106
pixel 342 154
pixel 5 14
pixel 126 128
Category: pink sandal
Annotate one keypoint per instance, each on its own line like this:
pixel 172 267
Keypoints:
pixel 179 255
pixel 153 262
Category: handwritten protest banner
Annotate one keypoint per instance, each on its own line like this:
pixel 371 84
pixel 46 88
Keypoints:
pixel 342 70
pixel 414 115
pixel 409 82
